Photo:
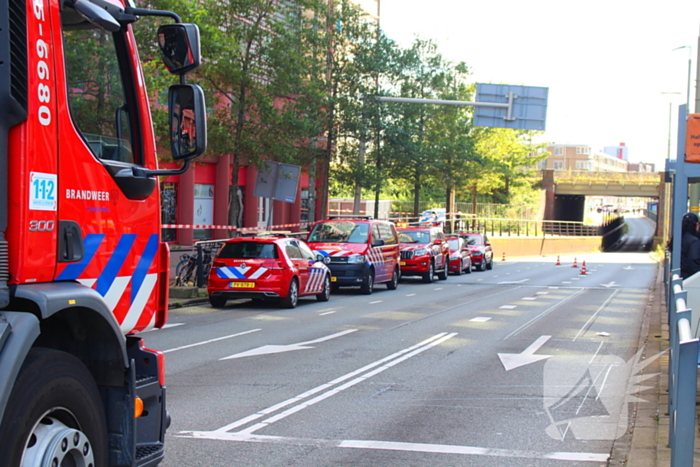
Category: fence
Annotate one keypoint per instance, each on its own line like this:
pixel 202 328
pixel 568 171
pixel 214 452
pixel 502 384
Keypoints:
pixel 682 373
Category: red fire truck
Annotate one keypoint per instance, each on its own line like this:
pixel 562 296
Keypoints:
pixel 82 266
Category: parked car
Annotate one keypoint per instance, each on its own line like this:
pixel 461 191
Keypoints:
pixel 424 252
pixel 460 256
pixel 362 252
pixel 267 267
pixel 480 247
pixel 432 217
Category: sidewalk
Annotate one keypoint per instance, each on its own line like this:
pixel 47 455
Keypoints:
pixel 648 443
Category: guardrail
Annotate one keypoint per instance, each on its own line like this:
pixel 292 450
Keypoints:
pixel 682 375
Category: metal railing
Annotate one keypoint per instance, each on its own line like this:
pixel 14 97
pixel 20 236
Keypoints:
pixel 498 227
pixel 682 375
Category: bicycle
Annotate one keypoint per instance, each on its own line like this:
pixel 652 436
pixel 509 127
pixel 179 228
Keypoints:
pixel 187 275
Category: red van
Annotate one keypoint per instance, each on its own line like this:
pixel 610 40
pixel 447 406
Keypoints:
pixel 362 252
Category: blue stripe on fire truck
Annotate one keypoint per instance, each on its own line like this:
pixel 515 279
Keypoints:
pixel 90 245
pixel 115 263
pixel 144 265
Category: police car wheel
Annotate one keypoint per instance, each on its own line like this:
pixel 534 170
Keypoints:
pixel 367 286
pixel 394 282
pixel 292 298
pixel 428 276
pixel 325 295
pixel 217 301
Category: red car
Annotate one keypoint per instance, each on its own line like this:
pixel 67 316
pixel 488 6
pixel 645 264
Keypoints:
pixel 460 256
pixel 424 252
pixel 267 268
pixel 480 247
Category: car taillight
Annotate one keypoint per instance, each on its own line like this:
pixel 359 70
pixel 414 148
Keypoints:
pixel 218 264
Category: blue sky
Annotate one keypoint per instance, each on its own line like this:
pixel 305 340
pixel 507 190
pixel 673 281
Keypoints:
pixel 606 63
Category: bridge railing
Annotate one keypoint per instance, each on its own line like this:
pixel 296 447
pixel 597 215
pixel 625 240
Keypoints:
pixel 594 177
pixel 511 227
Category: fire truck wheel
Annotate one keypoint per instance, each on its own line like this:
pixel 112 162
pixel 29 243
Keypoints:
pixel 217 301
pixel 292 298
pixel 325 295
pixel 394 282
pixel 54 415
pixel 469 268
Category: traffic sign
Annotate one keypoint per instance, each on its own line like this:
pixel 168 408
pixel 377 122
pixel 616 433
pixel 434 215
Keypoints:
pixel 528 109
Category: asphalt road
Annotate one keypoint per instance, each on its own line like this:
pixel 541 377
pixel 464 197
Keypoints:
pixel 529 364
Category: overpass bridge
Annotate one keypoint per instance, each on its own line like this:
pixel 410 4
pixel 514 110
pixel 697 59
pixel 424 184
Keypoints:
pixel 566 191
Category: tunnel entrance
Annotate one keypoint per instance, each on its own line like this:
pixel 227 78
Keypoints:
pixel 569 208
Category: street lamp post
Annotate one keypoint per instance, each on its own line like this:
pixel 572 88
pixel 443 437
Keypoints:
pixel 690 61
pixel 670 110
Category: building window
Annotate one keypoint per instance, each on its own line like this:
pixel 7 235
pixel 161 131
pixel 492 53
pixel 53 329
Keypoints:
pixel 558 151
pixel 583 165
pixel 583 150
pixel 543 165
pixel 558 165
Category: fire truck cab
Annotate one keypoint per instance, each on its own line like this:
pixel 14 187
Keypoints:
pixel 82 265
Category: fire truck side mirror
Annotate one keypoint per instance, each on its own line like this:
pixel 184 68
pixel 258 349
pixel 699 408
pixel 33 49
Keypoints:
pixel 188 121
pixel 179 47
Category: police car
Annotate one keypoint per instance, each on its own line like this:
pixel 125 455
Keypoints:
pixel 269 268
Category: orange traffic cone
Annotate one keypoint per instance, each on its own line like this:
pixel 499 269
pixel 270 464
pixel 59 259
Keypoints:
pixel 583 269
pixel 558 262
pixel 575 265
pixel 504 256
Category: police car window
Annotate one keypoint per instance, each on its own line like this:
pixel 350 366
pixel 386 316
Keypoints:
pixel 340 232
pixel 293 250
pixel 100 90
pixel 248 250
pixel 414 236
pixel 306 252
pixel 375 233
pixel 454 244
pixel 474 240
pixel 387 234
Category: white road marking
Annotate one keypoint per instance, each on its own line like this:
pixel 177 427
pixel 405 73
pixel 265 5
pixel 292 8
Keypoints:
pixel 327 313
pixel 480 319
pixel 566 282
pixel 439 288
pixel 269 349
pixel 375 302
pixel 529 298
pixel 542 293
pixel 405 447
pixel 527 356
pixel 211 340
pixel 545 312
pixel 585 326
pixel 411 295
pixel 387 362
pixel 513 282
pixel 506 307
pixel 610 284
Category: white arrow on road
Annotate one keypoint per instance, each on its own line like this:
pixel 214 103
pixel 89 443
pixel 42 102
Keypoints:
pixel 610 284
pixel 269 349
pixel 514 360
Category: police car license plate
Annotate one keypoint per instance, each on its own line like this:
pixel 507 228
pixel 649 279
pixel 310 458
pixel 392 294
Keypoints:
pixel 403 263
pixel 243 285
